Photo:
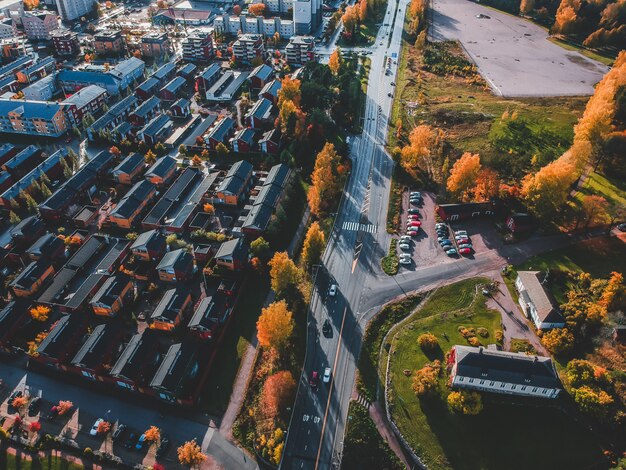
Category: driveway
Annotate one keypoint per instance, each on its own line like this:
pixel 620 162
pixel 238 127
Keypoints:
pixel 514 55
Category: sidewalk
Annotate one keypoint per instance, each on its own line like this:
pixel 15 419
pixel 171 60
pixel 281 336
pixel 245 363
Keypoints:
pixel 249 356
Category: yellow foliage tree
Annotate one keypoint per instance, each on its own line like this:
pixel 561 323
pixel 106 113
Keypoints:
pixel 325 180
pixel 559 341
pixel 283 272
pixel 40 313
pixel 463 175
pixel 424 146
pixel 465 402
pixel 275 325
pixel 313 245
pixel 150 157
pixel 208 208
pixel 566 16
pixel 334 61
pixel 350 19
pixel 290 91
pixel 190 454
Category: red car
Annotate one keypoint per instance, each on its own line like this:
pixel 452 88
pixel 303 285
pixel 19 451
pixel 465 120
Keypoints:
pixel 412 233
pixel 413 223
pixel 462 241
pixel 315 379
pixel 413 217
pixel 465 251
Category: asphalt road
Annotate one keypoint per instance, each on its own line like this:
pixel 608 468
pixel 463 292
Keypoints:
pixel 315 435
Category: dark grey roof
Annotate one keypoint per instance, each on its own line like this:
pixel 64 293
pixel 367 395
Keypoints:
pixel 202 316
pixel 26 227
pixel 9 315
pixel 45 245
pixel 111 289
pixel 262 109
pixel 31 274
pixel 164 71
pixel 171 303
pixel 59 339
pixel 147 107
pixel 236 177
pixel 149 239
pixel 263 72
pixel 547 310
pixel 174 84
pixel 148 85
pixel 130 164
pixel 176 365
pixel 234 248
pixel 278 175
pixel 259 217
pixel 188 69
pixel 502 366
pixel 158 125
pixel 176 259
pixel 162 167
pixel 271 88
pixel 246 135
pixel 221 129
pixel 137 357
pixel 199 130
pixel 92 352
pixel 141 192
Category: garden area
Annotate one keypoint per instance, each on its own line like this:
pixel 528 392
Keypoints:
pixel 457 314
pixel 26 462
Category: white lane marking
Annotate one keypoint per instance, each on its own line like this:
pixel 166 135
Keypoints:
pixel 355 226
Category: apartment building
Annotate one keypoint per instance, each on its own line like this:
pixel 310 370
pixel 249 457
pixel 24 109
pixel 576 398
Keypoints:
pixel 198 47
pixel 300 50
pixel 38 25
pixel 38 118
pixel 109 43
pixel 73 9
pixel 248 47
pixel 65 42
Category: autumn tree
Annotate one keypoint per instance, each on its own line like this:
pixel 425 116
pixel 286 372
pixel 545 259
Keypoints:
pixel 417 8
pixel 595 402
pixel 283 272
pixel 350 20
pixel 566 17
pixel 463 175
pixel 487 185
pixel 150 157
pixel 362 10
pixel 64 406
pixel 35 427
pixel 196 161
pixel 580 372
pixel 222 150
pixel 426 380
pixel 31 4
pixel 278 393
pixel 335 60
pixel 115 151
pixel 153 434
pixel 313 245
pixel 428 341
pixel 289 91
pixel 39 313
pixel 208 208
pixel 594 209
pixel 425 145
pixel 275 325
pixel 526 6
pixel 559 341
pixel 237 10
pixel 257 9
pixel 190 454
pixel 103 427
pixel 14 219
pixel 614 295
pixel 19 402
pixel 465 402
pixel 325 187
pixel 260 247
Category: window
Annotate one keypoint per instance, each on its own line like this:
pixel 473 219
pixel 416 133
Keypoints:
pixel 513 387
pixel 492 383
pixel 523 388
pixel 534 389
pixel 471 381
pixel 502 385
pixel 482 382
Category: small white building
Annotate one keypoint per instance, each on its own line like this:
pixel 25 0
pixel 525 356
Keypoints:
pixel 490 370
pixel 536 301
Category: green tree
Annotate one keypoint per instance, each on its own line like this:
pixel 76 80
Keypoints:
pixel 465 402
pixel 221 150
pixel 260 247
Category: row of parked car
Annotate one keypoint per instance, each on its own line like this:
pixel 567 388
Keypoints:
pixel 461 239
pixel 413 225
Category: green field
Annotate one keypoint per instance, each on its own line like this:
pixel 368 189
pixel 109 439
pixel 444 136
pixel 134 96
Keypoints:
pixel 613 190
pixel 53 463
pixel 503 435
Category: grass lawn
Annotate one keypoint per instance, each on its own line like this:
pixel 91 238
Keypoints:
pixel 613 190
pixel 586 52
pixel 502 436
pixel 599 257
pixel 55 463
pixel 470 115
pixel 219 384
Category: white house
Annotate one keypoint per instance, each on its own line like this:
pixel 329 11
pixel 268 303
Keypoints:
pixel 536 302
pixel 490 370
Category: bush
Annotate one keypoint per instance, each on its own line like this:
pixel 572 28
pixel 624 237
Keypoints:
pixel 473 341
pixel 391 262
pixel 426 379
pixel 483 332
pixel 428 341
pixel 499 336
pixel 465 402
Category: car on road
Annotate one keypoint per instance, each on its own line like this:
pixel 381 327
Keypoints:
pixel 132 439
pixel 414 211
pixel 314 380
pixel 141 441
pixel 326 375
pixel 333 290
pixel 465 251
pixel 404 246
pixel 34 405
pixel 389 95
pixel 451 252
pixel 120 430
pixel 163 447
pixel 482 16
pixel 412 232
pixel 326 328
pixel 94 429
pixel 393 83
pixel 406 261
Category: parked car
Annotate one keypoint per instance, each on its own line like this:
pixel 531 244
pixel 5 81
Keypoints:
pixel 326 375
pixel 465 245
pixel 314 380
pixel 440 224
pixel 414 211
pixel 405 239
pixel 34 405
pixel 462 241
pixel 94 429
pixel 465 251
pixel 406 261
pixel 163 447
pixel 442 238
pixel 413 217
pixel 461 237
pixel 333 290
pixel 415 194
pixel 621 227
pixel 141 441
pixel 460 232
pixel 412 232
pixel 413 223
pixel 404 246
pixel 451 252
pixel 132 439
pixel 442 233
pixel 120 430
pixel 445 242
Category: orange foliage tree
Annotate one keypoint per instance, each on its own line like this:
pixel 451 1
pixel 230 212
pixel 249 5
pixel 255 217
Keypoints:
pixel 350 20
pixel 19 402
pixel 283 272
pixel 463 175
pixel 257 9
pixel 40 313
pixel 153 434
pixel 487 185
pixel 425 146
pixel 64 406
pixel 103 427
pixel 334 61
pixel 566 16
pixel 313 245
pixel 595 209
pixel 278 392
pixel 559 341
pixel 325 186
pixel 190 454
pixel 275 325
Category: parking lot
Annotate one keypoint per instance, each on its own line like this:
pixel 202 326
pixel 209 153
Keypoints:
pixel 513 54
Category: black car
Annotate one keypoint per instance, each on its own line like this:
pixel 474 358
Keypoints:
pixel 34 405
pixel 132 440
pixel 119 431
pixel 326 328
pixel 414 211
pixel 621 227
pixel 163 447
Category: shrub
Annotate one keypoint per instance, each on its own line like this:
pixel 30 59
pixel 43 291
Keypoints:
pixel 473 340
pixel 499 336
pixel 483 332
pixel 465 402
pixel 426 379
pixel 428 341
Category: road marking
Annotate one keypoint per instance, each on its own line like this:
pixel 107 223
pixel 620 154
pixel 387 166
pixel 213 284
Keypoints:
pixel 330 390
pixel 355 227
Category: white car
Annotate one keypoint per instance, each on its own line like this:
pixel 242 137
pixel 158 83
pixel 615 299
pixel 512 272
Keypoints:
pixel 333 290
pixel 461 237
pixel 405 239
pixel 405 246
pixel 460 232
pixel 94 429
pixel 326 377
pixel 406 261
pixel 405 255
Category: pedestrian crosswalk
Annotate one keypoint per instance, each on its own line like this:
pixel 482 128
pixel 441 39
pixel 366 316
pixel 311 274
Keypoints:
pixel 355 226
